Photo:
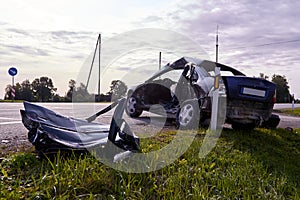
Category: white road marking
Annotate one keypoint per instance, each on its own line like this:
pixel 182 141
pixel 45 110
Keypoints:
pixel 10 109
pixel 8 118
pixel 13 122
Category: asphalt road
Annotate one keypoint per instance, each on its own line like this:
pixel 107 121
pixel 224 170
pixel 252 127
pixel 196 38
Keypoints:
pixel 285 105
pixel 13 133
pixel 10 118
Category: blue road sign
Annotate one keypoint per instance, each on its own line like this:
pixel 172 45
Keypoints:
pixel 12 71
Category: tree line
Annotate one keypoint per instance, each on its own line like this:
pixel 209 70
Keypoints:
pixel 42 90
pixel 283 94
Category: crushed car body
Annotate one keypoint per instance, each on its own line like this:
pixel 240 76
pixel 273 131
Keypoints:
pixel 50 132
pixel 249 100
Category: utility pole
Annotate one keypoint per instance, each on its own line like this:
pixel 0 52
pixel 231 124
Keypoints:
pixel 217 44
pixel 99 48
pixel 159 61
pixel 215 103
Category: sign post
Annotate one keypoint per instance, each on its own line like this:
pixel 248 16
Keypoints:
pixel 215 103
pixel 12 72
pixel 293 102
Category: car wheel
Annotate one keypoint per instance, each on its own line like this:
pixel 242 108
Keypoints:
pixel 240 126
pixel 131 107
pixel 188 115
pixel 272 122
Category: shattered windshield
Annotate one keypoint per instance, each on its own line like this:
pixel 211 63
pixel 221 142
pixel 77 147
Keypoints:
pixel 163 70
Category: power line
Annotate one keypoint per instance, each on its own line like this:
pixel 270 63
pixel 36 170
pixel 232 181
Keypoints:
pixel 266 44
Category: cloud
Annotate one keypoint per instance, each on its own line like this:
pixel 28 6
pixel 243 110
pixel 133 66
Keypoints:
pixel 36 53
pixel 18 31
pixel 245 24
pixel 70 37
pixel 26 50
pixel 253 35
pixel 152 18
pixel 29 42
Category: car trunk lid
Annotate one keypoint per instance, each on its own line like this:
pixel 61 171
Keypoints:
pixel 247 88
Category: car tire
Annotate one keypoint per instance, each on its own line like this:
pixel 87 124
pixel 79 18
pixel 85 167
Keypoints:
pixel 272 122
pixel 188 115
pixel 131 107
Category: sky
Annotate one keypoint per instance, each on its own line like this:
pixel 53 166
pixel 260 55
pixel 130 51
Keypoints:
pixel 57 38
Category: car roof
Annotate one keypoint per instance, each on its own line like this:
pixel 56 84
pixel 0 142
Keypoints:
pixel 206 64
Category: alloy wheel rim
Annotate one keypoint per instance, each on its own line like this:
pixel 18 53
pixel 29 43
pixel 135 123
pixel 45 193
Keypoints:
pixel 131 105
pixel 186 114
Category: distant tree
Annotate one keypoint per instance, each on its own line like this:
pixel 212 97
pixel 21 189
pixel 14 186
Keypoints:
pixel 263 76
pixel 72 88
pixel 43 89
pixel 282 90
pixel 104 98
pixel 7 94
pixel 80 94
pixel 22 91
pixel 26 92
pixel 57 98
pixel 118 89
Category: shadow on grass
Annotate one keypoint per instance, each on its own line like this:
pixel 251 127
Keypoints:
pixel 278 150
pixel 146 120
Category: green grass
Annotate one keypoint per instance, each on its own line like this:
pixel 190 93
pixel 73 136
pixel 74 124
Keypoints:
pixel 11 101
pixel 295 112
pixel 261 164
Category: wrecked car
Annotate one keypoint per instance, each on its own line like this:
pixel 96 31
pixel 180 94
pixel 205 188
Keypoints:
pixel 51 132
pixel 184 90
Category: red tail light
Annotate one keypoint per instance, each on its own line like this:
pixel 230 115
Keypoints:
pixel 274 97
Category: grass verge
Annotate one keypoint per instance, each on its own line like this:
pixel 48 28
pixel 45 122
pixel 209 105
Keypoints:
pixel 261 164
pixel 289 111
pixel 11 101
